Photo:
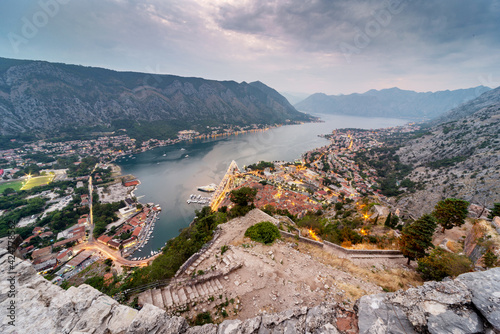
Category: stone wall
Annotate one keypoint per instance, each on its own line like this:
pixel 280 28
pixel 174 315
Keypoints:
pixel 468 304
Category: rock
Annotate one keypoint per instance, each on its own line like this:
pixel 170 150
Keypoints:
pixel 433 298
pixel 250 326
pixel 485 288
pixel 318 316
pixel 467 322
pixel 229 327
pixel 205 329
pixel 377 316
pixel 326 329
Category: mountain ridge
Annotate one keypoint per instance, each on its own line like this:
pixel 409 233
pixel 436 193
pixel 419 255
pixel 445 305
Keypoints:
pixel 390 102
pixel 49 98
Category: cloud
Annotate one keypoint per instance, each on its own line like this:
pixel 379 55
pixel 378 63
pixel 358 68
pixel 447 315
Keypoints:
pixel 310 45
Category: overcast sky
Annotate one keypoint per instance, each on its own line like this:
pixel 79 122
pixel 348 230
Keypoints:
pixel 329 46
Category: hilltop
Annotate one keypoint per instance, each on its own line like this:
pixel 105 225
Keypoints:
pixel 51 99
pixel 392 102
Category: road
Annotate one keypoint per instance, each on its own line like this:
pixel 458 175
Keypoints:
pixel 112 254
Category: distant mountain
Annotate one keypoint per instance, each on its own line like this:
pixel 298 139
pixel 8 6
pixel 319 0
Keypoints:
pixel 48 99
pixel 294 98
pixel 458 156
pixel 392 102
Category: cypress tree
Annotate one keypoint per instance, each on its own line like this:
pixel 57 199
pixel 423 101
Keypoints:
pixel 416 238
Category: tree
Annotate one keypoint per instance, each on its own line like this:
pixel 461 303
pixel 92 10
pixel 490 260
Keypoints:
pixel 8 191
pixel 495 211
pixel 490 259
pixel 243 196
pixel 451 212
pixel 416 238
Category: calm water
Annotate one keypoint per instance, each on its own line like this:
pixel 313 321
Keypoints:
pixel 170 174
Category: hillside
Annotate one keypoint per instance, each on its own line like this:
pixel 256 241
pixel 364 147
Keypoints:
pixel 392 102
pixel 48 99
pixel 458 156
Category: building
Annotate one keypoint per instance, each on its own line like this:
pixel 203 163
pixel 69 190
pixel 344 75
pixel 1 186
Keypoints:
pixel 41 252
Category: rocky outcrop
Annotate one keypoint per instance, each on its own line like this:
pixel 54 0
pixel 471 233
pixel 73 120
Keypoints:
pixel 468 304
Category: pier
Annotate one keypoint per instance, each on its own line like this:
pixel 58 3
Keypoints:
pixel 225 186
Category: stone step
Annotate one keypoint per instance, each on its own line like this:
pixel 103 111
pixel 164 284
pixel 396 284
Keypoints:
pixel 226 261
pixel 189 292
pixel 157 298
pixel 201 290
pixel 175 297
pixel 182 296
pixel 209 287
pixel 196 293
pixel 218 283
pixel 145 297
pixel 216 288
pixel 167 298
pixel 230 258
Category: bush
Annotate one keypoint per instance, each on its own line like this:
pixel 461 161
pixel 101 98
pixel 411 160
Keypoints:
pixel 203 318
pixel 265 232
pixel 440 264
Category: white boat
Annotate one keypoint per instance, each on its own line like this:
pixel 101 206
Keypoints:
pixel 186 156
pixel 164 155
pixel 183 149
pixel 209 188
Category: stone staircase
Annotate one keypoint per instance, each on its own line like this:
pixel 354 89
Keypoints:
pixel 214 249
pixel 187 290
pixel 174 297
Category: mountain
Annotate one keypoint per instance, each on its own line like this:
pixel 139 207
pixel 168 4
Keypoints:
pixel 48 99
pixel 294 97
pixel 392 102
pixel 458 156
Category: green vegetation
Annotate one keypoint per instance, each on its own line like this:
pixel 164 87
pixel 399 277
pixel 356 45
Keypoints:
pixel 490 259
pixel 390 171
pixel 446 162
pixel 85 167
pixel 261 165
pixel 451 212
pixel 179 249
pixel 241 198
pixel 416 238
pixel 265 232
pixel 16 185
pixel 202 319
pixel 440 264
pixel 105 214
pixel 495 211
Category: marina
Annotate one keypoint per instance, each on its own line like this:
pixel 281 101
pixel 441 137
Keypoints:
pixel 198 199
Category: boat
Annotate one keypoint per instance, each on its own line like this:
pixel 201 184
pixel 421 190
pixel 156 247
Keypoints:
pixel 186 156
pixel 209 188
pixel 164 155
pixel 183 149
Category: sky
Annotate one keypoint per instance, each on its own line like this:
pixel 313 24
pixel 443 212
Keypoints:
pixel 306 46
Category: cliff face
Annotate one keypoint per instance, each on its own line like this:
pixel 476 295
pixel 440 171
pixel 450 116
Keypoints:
pixel 47 98
pixel 469 304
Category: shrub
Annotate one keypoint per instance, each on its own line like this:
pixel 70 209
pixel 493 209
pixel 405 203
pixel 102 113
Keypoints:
pixel 203 318
pixel 440 264
pixel 265 232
